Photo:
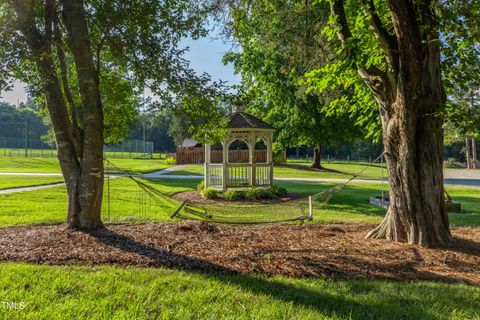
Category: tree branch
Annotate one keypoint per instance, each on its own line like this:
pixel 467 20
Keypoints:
pixel 77 131
pixel 40 52
pixel 372 75
pixel 387 41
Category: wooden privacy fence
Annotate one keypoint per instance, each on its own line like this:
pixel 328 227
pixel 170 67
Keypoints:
pixel 197 156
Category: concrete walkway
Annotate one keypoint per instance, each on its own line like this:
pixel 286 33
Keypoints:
pixel 24 189
pixel 30 174
pixel 157 174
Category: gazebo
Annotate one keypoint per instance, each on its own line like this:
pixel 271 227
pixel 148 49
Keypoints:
pixel 227 175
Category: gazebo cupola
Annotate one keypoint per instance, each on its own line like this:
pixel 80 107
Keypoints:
pixel 226 175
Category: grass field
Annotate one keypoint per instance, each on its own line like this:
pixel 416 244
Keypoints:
pixel 50 165
pixel 347 170
pixel 9 181
pixel 127 203
pixel 49 292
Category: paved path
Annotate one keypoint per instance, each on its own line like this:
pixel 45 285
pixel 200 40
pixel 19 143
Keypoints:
pixel 24 189
pixel 461 174
pixel 156 174
pixel 30 174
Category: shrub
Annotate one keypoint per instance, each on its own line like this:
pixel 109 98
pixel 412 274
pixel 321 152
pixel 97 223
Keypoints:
pixel 170 161
pixel 451 163
pixel 258 193
pixel 201 185
pixel 234 195
pixel 278 191
pixel 209 193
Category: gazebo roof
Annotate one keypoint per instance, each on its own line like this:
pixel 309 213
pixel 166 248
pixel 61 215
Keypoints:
pixel 243 120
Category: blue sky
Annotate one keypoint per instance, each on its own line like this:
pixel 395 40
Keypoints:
pixel 205 55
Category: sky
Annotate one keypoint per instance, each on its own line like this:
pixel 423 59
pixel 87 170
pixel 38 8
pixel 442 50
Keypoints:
pixel 205 55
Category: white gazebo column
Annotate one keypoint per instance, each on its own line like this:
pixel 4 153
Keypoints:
pixel 270 157
pixel 251 159
pixel 207 165
pixel 269 149
pixel 225 164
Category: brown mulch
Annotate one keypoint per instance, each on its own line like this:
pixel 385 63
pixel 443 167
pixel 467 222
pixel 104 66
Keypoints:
pixel 196 197
pixel 335 251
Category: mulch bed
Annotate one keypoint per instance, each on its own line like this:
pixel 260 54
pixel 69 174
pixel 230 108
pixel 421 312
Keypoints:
pixel 196 197
pixel 312 250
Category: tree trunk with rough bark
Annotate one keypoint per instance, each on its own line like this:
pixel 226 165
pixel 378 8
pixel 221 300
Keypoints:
pixel 317 164
pixel 410 98
pixel 468 154
pixel 474 153
pixel 82 172
pixel 91 190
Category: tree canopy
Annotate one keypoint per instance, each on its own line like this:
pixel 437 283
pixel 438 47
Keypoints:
pixel 280 42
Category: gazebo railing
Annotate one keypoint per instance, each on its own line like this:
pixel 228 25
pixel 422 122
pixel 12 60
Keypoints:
pixel 238 175
pixel 214 175
pixel 263 172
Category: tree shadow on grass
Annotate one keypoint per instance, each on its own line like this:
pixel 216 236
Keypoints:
pixel 380 306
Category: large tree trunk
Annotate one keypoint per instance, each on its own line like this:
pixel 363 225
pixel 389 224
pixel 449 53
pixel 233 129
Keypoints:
pixel 410 97
pixel 91 190
pixel 316 164
pixel 474 153
pixel 413 136
pixel 413 152
pixel 83 175
pixel 468 153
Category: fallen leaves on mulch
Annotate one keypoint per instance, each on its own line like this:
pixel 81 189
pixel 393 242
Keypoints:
pixel 312 250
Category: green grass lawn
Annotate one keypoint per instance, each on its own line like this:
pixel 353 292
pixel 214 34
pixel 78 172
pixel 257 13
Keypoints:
pixel 9 181
pixel 372 172
pixel 50 165
pixel 48 206
pixel 108 292
pixel 127 203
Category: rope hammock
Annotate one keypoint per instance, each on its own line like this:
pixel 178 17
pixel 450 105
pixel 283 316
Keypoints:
pixel 286 211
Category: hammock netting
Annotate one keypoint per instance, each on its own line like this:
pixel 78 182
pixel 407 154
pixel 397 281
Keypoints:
pixel 276 212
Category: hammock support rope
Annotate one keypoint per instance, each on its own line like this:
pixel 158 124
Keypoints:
pixel 292 211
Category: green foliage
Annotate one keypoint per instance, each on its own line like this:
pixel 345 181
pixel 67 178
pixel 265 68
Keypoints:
pixel 12 121
pixel 170 161
pixel 178 129
pixel 452 163
pixel 260 193
pixel 209 193
pixel 136 45
pixel 233 195
pixel 281 41
pixel 201 185
pixel 278 191
pixel 120 102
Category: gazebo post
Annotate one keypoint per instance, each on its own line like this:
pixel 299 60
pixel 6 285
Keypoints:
pixel 225 165
pixel 270 157
pixel 251 159
pixel 207 165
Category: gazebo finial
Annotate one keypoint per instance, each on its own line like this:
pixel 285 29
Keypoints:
pixel 238 106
